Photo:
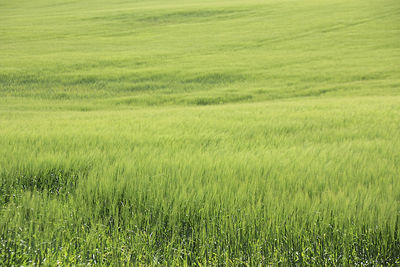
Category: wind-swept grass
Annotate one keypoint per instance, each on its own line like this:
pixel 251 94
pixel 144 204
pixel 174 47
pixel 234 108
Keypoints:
pixel 312 181
pixel 166 52
pixel 199 133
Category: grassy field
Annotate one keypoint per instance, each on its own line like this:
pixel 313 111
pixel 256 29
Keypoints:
pixel 200 132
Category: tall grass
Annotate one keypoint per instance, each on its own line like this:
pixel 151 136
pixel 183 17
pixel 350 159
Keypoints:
pixel 312 181
pixel 197 52
pixel 199 132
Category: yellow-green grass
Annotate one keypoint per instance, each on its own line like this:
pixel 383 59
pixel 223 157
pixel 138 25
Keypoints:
pixel 311 181
pixel 200 132
pixel 198 52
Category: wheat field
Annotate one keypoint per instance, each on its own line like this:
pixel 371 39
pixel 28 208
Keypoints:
pixel 239 133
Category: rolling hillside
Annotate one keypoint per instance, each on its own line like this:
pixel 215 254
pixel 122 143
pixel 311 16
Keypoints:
pixel 200 132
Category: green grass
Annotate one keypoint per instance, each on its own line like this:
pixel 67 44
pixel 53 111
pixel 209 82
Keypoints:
pixel 200 132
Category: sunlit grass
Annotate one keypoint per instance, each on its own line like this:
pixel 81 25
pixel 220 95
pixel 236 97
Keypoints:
pixel 199 133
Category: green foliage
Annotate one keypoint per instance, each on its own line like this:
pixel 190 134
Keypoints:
pixel 178 51
pixel 199 132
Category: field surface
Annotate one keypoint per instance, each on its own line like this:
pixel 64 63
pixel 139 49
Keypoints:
pixel 200 132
